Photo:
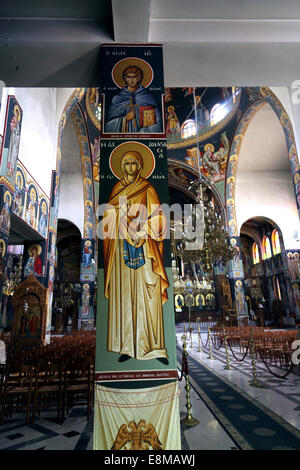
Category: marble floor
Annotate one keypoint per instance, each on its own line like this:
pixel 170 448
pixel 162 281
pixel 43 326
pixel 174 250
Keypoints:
pixel 280 396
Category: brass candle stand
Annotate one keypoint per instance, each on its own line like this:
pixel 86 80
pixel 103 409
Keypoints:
pixel 228 366
pixel 189 420
pixel 254 382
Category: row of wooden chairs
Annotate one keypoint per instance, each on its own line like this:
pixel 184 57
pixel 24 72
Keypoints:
pixel 273 346
pixel 60 374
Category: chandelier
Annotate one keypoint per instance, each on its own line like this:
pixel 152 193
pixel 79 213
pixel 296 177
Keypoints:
pixel 205 240
pixel 14 279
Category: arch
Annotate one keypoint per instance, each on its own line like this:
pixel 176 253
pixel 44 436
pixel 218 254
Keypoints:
pixel 275 241
pixel 266 246
pixel 188 129
pixel 87 171
pixel 183 186
pixel 255 253
pixel 264 95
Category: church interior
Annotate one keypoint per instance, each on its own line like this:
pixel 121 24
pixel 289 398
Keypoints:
pixel 231 124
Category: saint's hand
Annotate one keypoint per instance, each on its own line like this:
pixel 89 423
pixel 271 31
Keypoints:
pixel 141 235
pixel 130 116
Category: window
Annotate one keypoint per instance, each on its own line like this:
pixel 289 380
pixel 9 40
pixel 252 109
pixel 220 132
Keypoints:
pixel 255 253
pixel 275 242
pixel 218 112
pixel 188 128
pixel 267 253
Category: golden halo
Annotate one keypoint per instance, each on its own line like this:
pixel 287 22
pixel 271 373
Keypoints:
pixel 231 179
pixel 33 192
pixel 238 283
pixel 209 146
pixel 117 154
pixel 295 287
pixel 296 178
pixel 36 245
pixel 17 112
pixel 44 207
pixel 7 193
pixel 233 241
pixel 117 71
pixel 198 99
pixel 85 287
pixel 19 174
pixel 170 109
pixel 51 272
pixel 2 243
pixel 88 243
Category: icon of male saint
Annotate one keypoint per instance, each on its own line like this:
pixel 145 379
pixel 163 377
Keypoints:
pixel 133 109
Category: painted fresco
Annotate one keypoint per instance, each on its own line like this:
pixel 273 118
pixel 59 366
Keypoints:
pixel 30 203
pixel 92 110
pixel 32 206
pixel 132 95
pixel 86 300
pixel 200 124
pixel 135 312
pixel 55 190
pixel 34 259
pixel 20 192
pixel 87 171
pixel 125 263
pixel 43 217
pixel 87 269
pixel 11 139
pixel 6 198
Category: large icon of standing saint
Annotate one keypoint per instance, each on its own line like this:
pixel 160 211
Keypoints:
pixel 135 279
pixel 134 109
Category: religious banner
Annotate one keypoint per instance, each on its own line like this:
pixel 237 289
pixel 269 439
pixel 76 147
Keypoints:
pixel 137 423
pixel 135 312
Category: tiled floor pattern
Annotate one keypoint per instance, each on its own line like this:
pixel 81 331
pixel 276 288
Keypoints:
pixel 281 396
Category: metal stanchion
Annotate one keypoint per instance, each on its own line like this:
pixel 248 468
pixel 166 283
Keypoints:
pixel 210 356
pixel 190 324
pixel 199 338
pixel 188 420
pixel 255 382
pixel 228 366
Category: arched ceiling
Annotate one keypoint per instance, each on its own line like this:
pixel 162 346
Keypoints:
pixel 71 189
pixel 264 146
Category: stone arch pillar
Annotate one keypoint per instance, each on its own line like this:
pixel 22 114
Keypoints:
pixel 264 95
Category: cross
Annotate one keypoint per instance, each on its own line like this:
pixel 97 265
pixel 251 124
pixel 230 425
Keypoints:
pixel 132 106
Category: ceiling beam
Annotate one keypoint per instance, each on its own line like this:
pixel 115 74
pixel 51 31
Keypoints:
pixel 131 21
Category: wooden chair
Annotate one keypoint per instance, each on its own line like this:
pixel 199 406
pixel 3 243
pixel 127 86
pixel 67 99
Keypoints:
pixel 17 390
pixel 78 385
pixel 48 388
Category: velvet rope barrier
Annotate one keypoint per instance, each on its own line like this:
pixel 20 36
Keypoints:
pixel 273 373
pixel 204 345
pixel 214 342
pixel 246 352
